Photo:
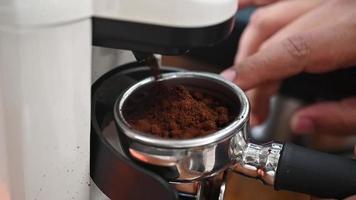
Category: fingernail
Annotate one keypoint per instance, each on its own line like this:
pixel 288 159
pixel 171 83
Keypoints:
pixel 302 125
pixel 229 74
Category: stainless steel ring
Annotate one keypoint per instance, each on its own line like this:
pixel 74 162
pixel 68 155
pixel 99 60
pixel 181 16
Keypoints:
pixel 189 143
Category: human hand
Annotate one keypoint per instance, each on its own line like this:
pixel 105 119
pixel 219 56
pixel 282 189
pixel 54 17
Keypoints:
pixel 313 37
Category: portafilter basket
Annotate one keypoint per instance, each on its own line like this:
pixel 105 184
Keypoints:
pixel 196 166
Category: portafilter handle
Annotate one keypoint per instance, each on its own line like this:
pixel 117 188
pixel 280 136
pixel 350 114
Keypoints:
pixel 299 169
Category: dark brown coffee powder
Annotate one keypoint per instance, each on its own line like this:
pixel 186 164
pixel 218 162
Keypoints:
pixel 176 112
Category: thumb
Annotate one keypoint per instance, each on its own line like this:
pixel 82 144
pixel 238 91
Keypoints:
pixel 334 118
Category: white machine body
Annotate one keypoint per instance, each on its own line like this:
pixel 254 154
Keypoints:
pixel 45 82
pixel 173 13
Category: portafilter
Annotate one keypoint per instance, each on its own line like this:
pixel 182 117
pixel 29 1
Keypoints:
pixel 196 167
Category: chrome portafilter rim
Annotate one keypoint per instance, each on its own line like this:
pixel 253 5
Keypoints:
pixel 240 120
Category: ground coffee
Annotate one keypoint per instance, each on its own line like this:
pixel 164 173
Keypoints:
pixel 180 113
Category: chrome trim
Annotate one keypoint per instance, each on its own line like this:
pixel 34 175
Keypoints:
pixel 258 161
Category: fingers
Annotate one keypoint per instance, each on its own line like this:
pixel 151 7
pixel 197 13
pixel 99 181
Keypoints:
pixel 266 21
pixel 259 100
pixel 306 52
pixel 245 3
pixel 263 23
pixel 274 63
pixel 334 118
pixel 307 22
pixel 315 50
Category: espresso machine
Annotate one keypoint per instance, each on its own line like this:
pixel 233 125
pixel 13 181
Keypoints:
pixel 58 133
pixel 46 61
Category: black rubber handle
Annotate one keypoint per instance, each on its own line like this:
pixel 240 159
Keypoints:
pixel 315 173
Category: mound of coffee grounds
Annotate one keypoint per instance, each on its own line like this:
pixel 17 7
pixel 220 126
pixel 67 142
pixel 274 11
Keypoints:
pixel 176 112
